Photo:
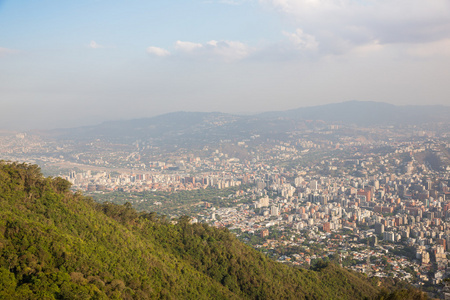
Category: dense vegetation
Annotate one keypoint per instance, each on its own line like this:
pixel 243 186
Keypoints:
pixel 58 245
pixel 176 203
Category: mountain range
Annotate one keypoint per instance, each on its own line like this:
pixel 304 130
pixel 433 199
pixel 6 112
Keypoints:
pixel 191 127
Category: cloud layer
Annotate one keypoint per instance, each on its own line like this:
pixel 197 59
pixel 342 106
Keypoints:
pixel 340 25
pixel 337 27
pixel 158 51
pixel 227 51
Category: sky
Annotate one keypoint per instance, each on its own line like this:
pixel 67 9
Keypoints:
pixel 77 63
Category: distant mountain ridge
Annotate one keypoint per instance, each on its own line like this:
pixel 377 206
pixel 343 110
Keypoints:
pixel 216 126
pixel 367 113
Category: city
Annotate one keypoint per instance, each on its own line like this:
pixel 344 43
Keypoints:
pixel 380 206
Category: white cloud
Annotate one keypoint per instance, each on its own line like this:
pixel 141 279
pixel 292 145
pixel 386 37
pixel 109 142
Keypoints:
pixel 226 50
pixel 94 45
pixel 187 46
pixel 340 25
pixel 158 51
pixel 367 49
pixel 301 40
pixel 230 50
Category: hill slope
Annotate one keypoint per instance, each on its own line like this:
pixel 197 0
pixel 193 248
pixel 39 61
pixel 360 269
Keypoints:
pixel 58 245
pixel 198 127
pixel 370 113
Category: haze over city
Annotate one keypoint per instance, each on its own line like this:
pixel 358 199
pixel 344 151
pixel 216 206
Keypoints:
pixel 66 64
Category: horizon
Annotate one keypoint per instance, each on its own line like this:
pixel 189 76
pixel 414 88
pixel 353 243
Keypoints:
pixel 2 130
pixel 67 64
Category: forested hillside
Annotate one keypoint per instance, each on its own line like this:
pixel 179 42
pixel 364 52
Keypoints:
pixel 58 245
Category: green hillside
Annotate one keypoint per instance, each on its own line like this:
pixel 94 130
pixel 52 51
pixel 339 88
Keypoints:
pixel 58 245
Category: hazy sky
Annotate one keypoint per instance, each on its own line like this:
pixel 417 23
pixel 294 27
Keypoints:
pixel 71 63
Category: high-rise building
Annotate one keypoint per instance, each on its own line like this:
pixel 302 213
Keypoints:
pixel 379 228
pixel 326 227
pixel 274 211
pixel 264 201
pixel 389 236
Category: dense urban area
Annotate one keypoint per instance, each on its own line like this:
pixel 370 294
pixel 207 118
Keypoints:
pixel 375 200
